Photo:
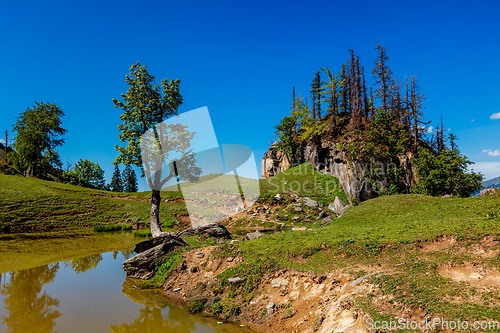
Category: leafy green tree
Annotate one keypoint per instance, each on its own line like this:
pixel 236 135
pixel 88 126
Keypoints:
pixel 129 180
pixel 86 174
pixel 285 132
pixel 39 133
pixel 301 112
pixel 446 173
pixel 145 105
pixel 116 184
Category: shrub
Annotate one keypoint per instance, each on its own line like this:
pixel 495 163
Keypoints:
pixel 112 227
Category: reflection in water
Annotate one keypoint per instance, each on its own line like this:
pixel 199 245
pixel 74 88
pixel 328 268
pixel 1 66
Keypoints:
pixel 150 318
pixel 82 265
pixel 29 311
pixel 82 295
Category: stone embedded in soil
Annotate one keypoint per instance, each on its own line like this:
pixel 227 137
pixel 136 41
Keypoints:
pixel 253 235
pixel 338 206
pixel 295 218
pixel 298 209
pixel 310 203
pixel 176 290
pixel 326 220
pixel 270 308
pixel 236 280
pixel 322 215
pixel 200 255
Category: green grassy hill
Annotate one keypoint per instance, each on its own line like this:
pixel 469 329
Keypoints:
pixel 414 238
pixel 34 205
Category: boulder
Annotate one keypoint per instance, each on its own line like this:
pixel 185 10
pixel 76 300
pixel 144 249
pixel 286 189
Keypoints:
pixel 153 242
pixel 310 203
pixel 214 230
pixel 338 206
pixel 322 215
pixel 253 235
pixel 141 265
pixel 326 220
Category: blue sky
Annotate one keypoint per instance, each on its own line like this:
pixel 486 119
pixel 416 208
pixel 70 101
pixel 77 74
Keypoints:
pixel 242 58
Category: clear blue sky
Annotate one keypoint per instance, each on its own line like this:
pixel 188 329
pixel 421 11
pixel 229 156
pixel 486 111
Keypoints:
pixel 242 58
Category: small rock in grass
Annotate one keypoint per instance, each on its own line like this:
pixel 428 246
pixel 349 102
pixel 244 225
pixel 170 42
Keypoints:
pixel 236 280
pixel 326 220
pixel 310 203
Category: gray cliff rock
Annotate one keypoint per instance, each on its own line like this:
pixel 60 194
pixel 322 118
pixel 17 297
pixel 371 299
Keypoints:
pixel 328 159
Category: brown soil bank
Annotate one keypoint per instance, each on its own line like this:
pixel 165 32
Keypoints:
pixel 284 301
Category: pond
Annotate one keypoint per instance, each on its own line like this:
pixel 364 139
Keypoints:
pixel 91 294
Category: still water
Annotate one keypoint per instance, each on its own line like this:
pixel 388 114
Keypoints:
pixel 91 294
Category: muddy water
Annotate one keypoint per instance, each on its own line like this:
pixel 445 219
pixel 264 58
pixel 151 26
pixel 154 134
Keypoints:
pixel 91 294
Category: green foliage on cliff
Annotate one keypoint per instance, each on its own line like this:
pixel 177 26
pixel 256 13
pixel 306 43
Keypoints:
pixel 285 130
pixel 387 140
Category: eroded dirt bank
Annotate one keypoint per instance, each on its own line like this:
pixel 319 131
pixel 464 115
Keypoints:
pixel 286 301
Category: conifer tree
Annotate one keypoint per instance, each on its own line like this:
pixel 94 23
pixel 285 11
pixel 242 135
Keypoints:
pixel 344 89
pixel 382 74
pixel 316 96
pixel 116 184
pixel 416 104
pixel 129 180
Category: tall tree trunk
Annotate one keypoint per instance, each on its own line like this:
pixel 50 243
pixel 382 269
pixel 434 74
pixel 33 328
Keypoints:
pixel 154 217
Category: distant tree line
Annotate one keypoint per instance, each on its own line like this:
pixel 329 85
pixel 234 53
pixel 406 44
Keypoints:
pixel 377 124
pixel 33 153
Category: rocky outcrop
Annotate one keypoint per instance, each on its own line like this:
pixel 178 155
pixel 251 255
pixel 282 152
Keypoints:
pixel 152 242
pixel 338 206
pixel 141 265
pixel 209 230
pixel 274 162
pixel 327 158
pixel 489 191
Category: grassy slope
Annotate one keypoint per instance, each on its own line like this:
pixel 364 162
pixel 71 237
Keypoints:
pixel 28 204
pixel 388 233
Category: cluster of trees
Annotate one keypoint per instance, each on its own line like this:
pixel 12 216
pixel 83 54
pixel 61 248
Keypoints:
pixel 34 153
pixel 377 124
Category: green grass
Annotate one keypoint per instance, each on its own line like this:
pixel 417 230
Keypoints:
pixel 306 182
pixel 162 267
pixel 384 233
pixel 30 205
pixel 142 233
